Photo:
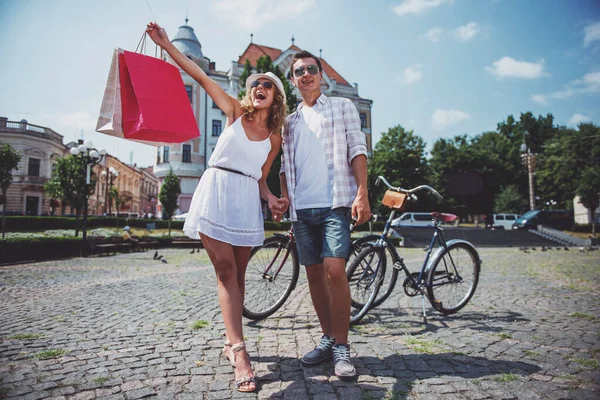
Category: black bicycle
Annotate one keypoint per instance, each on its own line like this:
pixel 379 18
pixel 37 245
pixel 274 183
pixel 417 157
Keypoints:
pixel 273 271
pixel 448 277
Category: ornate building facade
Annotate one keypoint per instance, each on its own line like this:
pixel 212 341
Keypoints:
pixel 189 160
pixel 40 147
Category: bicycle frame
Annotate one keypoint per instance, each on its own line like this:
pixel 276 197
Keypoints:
pixel 291 242
pixel 437 237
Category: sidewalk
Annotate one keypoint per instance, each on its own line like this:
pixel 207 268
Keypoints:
pixel 120 328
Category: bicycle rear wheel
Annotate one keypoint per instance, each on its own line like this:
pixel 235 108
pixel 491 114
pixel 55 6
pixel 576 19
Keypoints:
pixel 391 274
pixel 364 278
pixel 271 276
pixel 453 278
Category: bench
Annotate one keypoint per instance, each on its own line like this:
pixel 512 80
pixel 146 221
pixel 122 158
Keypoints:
pixel 186 242
pixel 110 245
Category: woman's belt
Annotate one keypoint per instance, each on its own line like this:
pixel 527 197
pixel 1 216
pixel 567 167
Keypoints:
pixel 233 171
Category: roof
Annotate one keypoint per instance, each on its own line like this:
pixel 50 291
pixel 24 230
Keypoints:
pixel 254 51
pixel 185 40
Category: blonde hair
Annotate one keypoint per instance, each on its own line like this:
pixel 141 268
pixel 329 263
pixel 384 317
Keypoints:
pixel 277 111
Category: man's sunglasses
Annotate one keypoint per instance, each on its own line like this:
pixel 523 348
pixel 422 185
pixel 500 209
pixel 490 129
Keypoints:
pixel 265 84
pixel 312 69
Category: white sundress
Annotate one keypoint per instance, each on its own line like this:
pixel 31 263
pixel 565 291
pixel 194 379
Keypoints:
pixel 226 206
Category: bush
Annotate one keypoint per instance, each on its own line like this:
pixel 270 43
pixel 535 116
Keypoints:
pixel 19 249
pixel 31 223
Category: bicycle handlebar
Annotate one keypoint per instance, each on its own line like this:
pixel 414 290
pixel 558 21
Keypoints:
pixel 409 192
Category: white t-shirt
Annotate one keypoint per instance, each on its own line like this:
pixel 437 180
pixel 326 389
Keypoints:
pixel 312 178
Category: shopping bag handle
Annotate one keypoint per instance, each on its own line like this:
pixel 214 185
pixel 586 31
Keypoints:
pixel 142 47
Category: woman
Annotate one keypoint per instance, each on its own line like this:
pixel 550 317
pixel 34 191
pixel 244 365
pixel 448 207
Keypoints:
pixel 225 211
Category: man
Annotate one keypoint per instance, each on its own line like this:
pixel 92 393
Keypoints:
pixel 128 238
pixel 324 177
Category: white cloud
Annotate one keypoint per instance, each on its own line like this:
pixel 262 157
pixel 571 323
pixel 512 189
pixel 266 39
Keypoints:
pixel 434 34
pixel 444 118
pixel 417 6
pixel 591 33
pixel 412 74
pixel 508 67
pixel 577 118
pixel 539 98
pixel 589 83
pixel 252 14
pixel 467 32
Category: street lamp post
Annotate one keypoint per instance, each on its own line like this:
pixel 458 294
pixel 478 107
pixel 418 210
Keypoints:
pixel 110 175
pixel 529 160
pixel 90 157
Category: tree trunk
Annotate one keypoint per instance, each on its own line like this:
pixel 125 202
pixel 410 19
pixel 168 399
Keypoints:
pixel 3 211
pixel 169 226
pixel 77 222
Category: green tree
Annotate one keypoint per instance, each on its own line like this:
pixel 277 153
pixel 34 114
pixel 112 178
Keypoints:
pixel 169 194
pixel 68 184
pixel 265 64
pixel 119 201
pixel 399 156
pixel 471 171
pixel 509 200
pixel 9 160
pixel 588 188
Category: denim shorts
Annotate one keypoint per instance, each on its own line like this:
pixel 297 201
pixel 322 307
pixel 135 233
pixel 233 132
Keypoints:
pixel 322 232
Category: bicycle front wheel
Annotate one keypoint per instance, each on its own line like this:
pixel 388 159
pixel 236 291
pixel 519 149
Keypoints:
pixel 364 278
pixel 271 276
pixel 453 278
pixel 391 274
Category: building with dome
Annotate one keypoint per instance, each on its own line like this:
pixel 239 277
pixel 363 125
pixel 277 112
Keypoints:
pixel 189 160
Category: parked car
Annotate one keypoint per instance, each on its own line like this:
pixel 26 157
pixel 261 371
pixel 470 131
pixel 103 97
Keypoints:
pixel 500 221
pixel 180 217
pixel 557 219
pixel 10 213
pixel 413 219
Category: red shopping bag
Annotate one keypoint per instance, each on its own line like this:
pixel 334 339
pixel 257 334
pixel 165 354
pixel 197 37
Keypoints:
pixel 154 102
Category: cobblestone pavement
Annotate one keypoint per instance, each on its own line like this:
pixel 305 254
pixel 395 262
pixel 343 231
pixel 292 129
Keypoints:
pixel 120 328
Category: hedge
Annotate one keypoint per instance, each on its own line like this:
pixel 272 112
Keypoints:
pixel 37 248
pixel 29 223
pixel 36 224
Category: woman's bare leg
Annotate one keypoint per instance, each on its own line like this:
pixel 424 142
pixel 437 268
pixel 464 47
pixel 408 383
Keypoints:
pixel 223 257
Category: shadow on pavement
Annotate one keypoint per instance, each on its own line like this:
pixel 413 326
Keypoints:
pixel 405 369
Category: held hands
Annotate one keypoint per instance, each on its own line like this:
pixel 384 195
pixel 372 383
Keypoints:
pixel 157 34
pixel 278 207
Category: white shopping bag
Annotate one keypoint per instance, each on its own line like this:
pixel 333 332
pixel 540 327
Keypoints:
pixel 111 116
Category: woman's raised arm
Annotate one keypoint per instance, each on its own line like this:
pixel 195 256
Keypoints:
pixel 225 102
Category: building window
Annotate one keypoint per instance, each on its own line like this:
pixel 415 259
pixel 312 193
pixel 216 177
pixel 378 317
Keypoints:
pixel 187 153
pixel 158 155
pixel 166 154
pixel 190 93
pixel 363 120
pixel 215 105
pixel 34 167
pixel 216 127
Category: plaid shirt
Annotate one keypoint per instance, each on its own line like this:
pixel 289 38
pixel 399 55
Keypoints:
pixel 343 140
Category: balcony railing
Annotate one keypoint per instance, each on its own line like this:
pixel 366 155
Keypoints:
pixel 34 130
pixel 34 180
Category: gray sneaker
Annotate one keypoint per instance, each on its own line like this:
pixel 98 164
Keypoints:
pixel 322 352
pixel 342 364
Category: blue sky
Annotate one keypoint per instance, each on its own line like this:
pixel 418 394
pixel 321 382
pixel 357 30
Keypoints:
pixel 440 67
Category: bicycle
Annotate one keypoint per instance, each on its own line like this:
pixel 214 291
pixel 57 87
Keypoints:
pixel 447 282
pixel 272 273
